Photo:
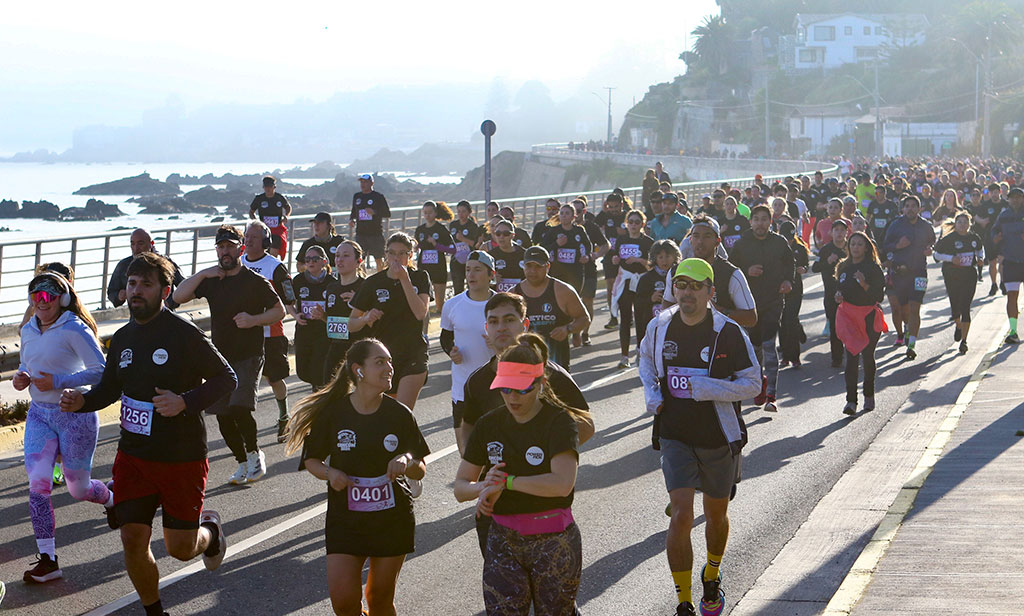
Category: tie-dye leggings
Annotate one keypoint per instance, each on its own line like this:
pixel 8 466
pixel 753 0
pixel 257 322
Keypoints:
pixel 542 570
pixel 49 432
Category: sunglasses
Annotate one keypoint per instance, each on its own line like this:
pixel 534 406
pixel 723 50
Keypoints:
pixel 44 297
pixel 314 259
pixel 522 392
pixel 502 234
pixel 692 285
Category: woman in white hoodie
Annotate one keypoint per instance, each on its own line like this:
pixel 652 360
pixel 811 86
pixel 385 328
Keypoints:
pixel 59 349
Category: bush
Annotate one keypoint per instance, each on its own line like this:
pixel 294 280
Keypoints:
pixel 11 414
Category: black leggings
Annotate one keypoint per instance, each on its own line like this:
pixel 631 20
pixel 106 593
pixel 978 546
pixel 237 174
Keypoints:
pixel 834 343
pixel 791 332
pixel 238 427
pixel 458 271
pixel 626 321
pixel 960 287
pixel 853 361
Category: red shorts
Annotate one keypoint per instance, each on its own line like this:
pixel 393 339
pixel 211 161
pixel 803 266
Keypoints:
pixel 179 487
pixel 281 232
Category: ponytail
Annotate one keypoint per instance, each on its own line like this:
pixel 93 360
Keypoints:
pixel 530 348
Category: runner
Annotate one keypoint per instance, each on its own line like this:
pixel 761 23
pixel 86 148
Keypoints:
pixel 348 261
pixel 600 246
pixel 508 257
pixel 668 224
pixel 529 451
pixel 59 349
pixel 650 290
pixel 960 251
pixel 374 447
pixel 241 302
pixel 551 207
pixel 369 219
pixel 767 261
pixel 570 247
pixel 435 243
pixel 506 321
pixel 275 343
pixel 273 210
pixel 553 307
pixel 631 256
pixel 464 332
pixel 691 391
pixel 791 334
pixel 829 255
pixel 732 293
pixel 308 310
pixel 881 213
pixel 140 242
pixel 732 223
pixel 859 320
pixel 467 234
pixel 612 221
pixel 1009 236
pixel 324 236
pixel 521 238
pixel 908 242
pixel 165 373
pixel 985 215
pixel 392 306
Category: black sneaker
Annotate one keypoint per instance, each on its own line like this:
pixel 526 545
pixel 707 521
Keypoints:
pixel 586 339
pixel 45 570
pixel 685 609
pixel 911 353
pixel 713 601
pixel 850 409
pixel 613 323
pixel 963 348
pixel 957 334
pixel 1002 288
pixel 1012 339
pixel 993 290
pixel 112 521
pixel 282 430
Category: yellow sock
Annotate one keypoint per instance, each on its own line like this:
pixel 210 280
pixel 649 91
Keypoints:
pixel 683 580
pixel 711 570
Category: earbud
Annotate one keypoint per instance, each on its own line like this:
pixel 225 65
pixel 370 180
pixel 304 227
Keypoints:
pixel 359 373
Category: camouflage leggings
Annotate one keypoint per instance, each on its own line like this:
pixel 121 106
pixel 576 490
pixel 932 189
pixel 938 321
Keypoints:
pixel 542 570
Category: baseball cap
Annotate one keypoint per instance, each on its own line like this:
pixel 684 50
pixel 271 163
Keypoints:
pixel 1015 191
pixel 322 217
pixel 48 282
pixel 228 234
pixel 710 223
pixel 483 257
pixel 365 176
pixel 515 375
pixel 758 176
pixel 537 254
pixel 696 269
pixel 670 196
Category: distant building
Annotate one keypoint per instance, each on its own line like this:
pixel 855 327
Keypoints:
pixel 826 41
pixel 812 129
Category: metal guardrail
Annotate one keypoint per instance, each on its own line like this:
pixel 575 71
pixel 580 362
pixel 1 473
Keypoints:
pixel 93 257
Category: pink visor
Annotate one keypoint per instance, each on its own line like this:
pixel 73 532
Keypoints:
pixel 516 376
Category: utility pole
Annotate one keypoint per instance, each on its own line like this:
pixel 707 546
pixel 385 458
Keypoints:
pixel 767 128
pixel 609 114
pixel 986 138
pixel 879 133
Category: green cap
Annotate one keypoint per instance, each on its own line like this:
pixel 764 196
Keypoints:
pixel 696 269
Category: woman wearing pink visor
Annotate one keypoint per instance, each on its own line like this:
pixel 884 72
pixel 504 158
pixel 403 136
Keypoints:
pixel 528 449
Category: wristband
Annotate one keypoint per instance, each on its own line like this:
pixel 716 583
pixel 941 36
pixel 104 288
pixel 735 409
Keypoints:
pixel 508 482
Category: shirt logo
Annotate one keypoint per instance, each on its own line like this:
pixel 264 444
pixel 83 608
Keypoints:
pixel 465 231
pixel 383 295
pixel 126 358
pixel 391 442
pixel 369 202
pixel 359 201
pixel 304 292
pixel 346 440
pixel 494 452
pixel 534 455
pixel 264 205
pixel 160 357
pixel 670 350
pixel 958 244
pixel 546 307
pixel 705 354
pixel 330 301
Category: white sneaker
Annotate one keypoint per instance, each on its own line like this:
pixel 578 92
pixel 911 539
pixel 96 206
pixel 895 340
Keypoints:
pixel 257 463
pixel 240 475
pixel 212 517
pixel 415 487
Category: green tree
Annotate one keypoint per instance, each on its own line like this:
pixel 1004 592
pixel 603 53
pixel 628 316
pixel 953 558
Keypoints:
pixel 712 47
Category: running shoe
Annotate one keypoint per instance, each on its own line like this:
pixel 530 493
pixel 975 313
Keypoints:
pixel 213 561
pixel 1012 339
pixel 282 430
pixel 58 475
pixel 685 609
pixel 760 398
pixel 784 364
pixel 993 289
pixel 45 570
pixel 256 463
pixel 3 591
pixel 899 341
pixel 112 521
pixel 770 405
pixel 957 334
pixel 713 601
pixel 415 487
pixel 1002 288
pixel 624 363
pixel 613 323
pixel 869 404
pixel 963 347
pixel 797 363
pixel 911 353
pixel 240 475
pixel 850 408
pixel 586 339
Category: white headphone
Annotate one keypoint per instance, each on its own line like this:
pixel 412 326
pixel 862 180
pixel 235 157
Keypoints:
pixel 65 296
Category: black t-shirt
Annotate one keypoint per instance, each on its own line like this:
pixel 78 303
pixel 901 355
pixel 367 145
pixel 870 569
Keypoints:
pixel 398 329
pixel 308 295
pixel 964 249
pixel 539 230
pixel 565 259
pixel 882 215
pixel 337 297
pixel 173 354
pixel 613 227
pixel 270 210
pixel 330 246
pixel 597 239
pixel 634 247
pixel 987 209
pixel 649 284
pixel 828 270
pixel 362 446
pixel 687 351
pixel 470 232
pixel 522 238
pixel 246 291
pixel 432 257
pixel 732 230
pixel 480 399
pixel 508 265
pixel 526 449
pixel 855 294
pixel 368 210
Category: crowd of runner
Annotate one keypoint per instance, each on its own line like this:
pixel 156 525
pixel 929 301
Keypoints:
pixel 706 300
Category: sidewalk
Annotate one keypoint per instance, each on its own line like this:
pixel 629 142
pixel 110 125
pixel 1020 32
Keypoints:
pixel 962 541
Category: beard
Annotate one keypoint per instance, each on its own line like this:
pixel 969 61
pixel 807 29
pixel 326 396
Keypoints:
pixel 144 310
pixel 227 262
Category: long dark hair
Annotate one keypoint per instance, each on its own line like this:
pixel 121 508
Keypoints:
pixel 305 412
pixel 530 348
pixel 872 252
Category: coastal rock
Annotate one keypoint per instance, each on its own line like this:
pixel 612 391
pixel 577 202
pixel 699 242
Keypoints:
pixel 174 205
pixel 9 209
pixel 141 184
pixel 325 169
pixel 208 195
pixel 39 209
pixel 94 210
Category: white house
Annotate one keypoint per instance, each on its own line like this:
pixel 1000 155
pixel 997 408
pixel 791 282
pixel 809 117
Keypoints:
pixel 813 128
pixel 829 41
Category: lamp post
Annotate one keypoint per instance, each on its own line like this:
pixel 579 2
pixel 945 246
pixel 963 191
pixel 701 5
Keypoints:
pixel 977 89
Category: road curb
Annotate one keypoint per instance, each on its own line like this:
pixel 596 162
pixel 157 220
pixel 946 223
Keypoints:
pixel 855 584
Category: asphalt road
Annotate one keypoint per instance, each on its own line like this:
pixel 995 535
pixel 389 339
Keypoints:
pixel 277 566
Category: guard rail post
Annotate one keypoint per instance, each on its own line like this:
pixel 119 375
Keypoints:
pixel 106 273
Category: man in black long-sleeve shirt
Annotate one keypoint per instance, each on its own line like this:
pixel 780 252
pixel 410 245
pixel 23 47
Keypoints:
pixel 117 287
pixel 767 261
pixel 166 373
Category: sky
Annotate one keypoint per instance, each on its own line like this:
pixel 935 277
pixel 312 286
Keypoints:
pixel 71 64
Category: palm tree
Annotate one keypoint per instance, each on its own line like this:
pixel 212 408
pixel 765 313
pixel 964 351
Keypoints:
pixel 712 47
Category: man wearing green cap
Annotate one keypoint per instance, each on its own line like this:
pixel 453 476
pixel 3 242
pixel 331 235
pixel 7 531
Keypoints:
pixel 694 364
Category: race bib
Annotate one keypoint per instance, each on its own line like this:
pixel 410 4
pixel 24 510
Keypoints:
pixel 613 242
pixel 307 307
pixel 656 310
pixel 920 283
pixel 629 250
pixel 337 328
pixel 729 240
pixel 366 214
pixel 428 257
pixel 879 223
pixel 507 284
pixel 136 416
pixel 462 251
pixel 566 255
pixel 272 221
pixel 370 494
pixel 679 385
pixel 965 258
